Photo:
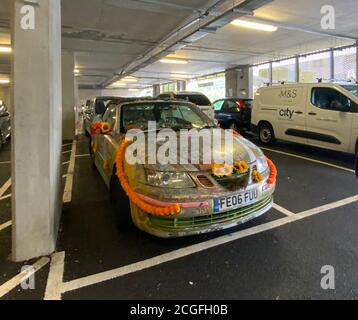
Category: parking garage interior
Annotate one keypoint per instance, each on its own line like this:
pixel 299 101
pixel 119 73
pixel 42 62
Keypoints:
pixel 56 218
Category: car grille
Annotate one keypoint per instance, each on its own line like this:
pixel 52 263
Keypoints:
pixel 234 182
pixel 205 221
pixel 205 181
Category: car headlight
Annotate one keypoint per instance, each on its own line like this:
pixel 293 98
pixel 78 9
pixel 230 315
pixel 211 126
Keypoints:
pixel 174 180
pixel 262 165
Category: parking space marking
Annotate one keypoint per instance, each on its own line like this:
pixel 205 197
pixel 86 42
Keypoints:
pixel 69 151
pixel 327 207
pixel 55 277
pixel 83 155
pixel 5 186
pixel 6 197
pixel 5 162
pixel 67 144
pixel 283 210
pixel 309 159
pixel 184 252
pixel 66 163
pixel 21 277
pixel 5 225
pixel 67 195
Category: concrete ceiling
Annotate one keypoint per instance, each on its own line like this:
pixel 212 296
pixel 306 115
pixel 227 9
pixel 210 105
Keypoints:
pixel 108 35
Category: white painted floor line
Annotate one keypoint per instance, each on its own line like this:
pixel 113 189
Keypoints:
pixel 6 197
pixel 69 151
pixel 21 277
pixel 83 155
pixel 67 195
pixel 66 163
pixel 283 210
pixel 5 225
pixel 67 144
pixel 184 252
pixel 331 206
pixel 55 277
pixel 5 186
pixel 167 257
pixel 5 162
pixel 309 159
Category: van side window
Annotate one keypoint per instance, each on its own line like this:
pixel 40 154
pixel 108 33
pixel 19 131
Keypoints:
pixel 330 99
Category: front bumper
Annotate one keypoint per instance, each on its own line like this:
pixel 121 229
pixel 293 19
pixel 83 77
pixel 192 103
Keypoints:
pixel 202 220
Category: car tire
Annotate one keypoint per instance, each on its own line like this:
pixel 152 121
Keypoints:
pixel 233 126
pixel 121 204
pixel 266 134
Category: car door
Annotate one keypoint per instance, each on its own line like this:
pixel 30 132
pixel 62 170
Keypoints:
pixel 217 105
pixel 103 156
pixel 329 120
pixel 230 112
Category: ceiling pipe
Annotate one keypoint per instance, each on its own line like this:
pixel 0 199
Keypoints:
pixel 216 16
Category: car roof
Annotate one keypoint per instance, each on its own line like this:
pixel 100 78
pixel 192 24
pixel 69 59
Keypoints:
pixel 143 101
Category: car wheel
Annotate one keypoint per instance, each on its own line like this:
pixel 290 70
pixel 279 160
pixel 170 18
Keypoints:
pixel 233 126
pixel 91 154
pixel 266 134
pixel 121 203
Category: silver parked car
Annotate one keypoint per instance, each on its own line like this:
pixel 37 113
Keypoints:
pixel 5 124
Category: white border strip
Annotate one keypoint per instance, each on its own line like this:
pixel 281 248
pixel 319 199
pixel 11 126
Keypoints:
pixel 21 277
pixel 83 155
pixel 5 163
pixel 67 195
pixel 309 159
pixel 5 225
pixel 55 277
pixel 5 186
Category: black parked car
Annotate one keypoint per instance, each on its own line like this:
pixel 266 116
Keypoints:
pixel 233 113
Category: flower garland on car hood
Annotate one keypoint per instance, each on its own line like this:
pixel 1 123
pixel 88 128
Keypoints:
pixel 133 196
pixel 273 172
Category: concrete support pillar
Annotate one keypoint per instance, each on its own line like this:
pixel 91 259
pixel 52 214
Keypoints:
pixel 297 60
pixel 69 99
pixel 37 128
pixel 181 85
pixel 239 82
pixel 156 90
pixel 332 74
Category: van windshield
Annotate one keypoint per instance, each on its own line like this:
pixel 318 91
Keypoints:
pixel 352 89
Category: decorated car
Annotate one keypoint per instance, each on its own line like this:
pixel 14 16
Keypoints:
pixel 176 185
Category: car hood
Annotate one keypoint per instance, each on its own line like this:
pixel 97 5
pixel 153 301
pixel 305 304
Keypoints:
pixel 243 150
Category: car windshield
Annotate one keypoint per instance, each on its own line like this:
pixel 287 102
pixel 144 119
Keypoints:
pixel 175 116
pixel 352 89
pixel 198 99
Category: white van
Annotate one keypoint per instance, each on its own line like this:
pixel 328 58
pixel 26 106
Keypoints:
pixel 318 114
pixel 197 98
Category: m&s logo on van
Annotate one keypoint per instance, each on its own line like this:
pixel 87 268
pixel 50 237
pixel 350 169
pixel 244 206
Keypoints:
pixel 288 94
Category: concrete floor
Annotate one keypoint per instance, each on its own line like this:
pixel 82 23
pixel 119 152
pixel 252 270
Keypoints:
pixel 278 256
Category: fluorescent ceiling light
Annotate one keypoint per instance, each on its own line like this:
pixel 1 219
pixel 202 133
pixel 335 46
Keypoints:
pixel 179 76
pixel 254 25
pixel 174 61
pixel 119 84
pixel 129 79
pixel 4 81
pixel 5 49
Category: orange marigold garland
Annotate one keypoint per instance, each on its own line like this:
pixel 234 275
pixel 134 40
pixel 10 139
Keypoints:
pixel 257 176
pixel 273 172
pixel 241 167
pixel 105 127
pixel 96 128
pixel 133 196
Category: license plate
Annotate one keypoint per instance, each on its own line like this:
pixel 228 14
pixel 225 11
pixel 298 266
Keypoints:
pixel 235 201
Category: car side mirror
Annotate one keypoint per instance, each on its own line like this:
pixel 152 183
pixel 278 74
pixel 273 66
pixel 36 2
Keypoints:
pixel 100 108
